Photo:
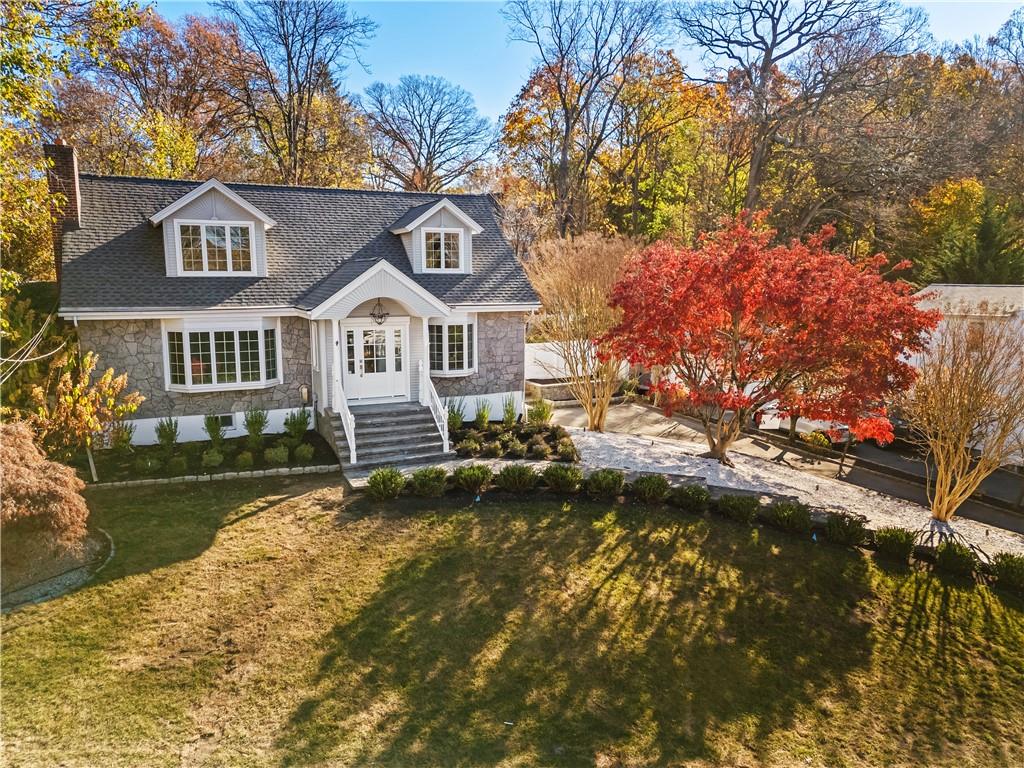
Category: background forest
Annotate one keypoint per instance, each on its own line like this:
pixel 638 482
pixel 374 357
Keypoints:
pixel 841 111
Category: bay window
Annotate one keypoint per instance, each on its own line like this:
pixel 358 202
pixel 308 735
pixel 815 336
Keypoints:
pixel 215 247
pixel 206 356
pixel 451 347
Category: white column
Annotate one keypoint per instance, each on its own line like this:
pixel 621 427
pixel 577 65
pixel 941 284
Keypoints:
pixel 425 369
pixel 336 360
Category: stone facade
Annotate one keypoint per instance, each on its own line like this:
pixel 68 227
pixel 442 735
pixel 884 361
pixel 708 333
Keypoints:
pixel 135 347
pixel 501 346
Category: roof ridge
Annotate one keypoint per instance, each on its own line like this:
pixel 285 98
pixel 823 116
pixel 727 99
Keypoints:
pixel 121 177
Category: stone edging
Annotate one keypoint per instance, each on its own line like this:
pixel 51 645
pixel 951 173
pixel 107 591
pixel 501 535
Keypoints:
pixel 277 471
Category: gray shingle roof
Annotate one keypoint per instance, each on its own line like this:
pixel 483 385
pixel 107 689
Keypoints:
pixel 323 239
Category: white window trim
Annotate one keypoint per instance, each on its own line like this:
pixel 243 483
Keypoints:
pixel 182 272
pixel 445 323
pixel 185 327
pixel 442 231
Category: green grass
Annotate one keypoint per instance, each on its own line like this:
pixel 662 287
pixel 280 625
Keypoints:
pixel 269 623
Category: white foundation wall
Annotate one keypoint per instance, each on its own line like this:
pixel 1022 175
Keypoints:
pixel 190 428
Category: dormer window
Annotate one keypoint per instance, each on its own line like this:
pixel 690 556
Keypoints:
pixel 442 250
pixel 215 247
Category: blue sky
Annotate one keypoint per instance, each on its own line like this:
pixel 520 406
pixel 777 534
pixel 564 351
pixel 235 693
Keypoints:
pixel 465 42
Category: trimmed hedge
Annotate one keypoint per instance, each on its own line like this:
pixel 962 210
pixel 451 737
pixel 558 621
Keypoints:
pixel 1009 571
pixel 845 530
pixel 894 543
pixel 742 509
pixel 790 516
pixel 517 478
pixel 473 478
pixel 563 478
pixel 695 499
pixel 956 558
pixel 605 483
pixel 651 489
pixel 429 482
pixel 385 483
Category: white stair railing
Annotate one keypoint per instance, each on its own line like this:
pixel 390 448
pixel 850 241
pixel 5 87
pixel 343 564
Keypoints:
pixel 429 397
pixel 348 421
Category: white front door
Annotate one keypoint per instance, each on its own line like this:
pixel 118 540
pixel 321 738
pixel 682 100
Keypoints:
pixel 374 361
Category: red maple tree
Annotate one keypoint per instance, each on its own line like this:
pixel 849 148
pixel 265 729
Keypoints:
pixel 738 322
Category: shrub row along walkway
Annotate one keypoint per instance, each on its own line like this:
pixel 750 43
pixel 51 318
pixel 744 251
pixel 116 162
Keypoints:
pixel 682 459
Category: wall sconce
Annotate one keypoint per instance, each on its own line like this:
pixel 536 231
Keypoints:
pixel 304 393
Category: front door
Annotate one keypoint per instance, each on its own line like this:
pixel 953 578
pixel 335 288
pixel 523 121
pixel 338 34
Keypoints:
pixel 373 359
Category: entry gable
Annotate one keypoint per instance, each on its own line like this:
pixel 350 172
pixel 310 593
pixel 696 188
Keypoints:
pixel 384 281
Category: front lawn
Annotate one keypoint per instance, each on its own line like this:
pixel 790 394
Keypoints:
pixel 267 623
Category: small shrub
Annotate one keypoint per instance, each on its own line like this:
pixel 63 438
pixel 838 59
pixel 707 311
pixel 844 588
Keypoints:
pixel 509 412
pixel 790 516
pixel 385 483
pixel 483 414
pixel 516 449
pixel 558 433
pixel 244 461
pixel 212 458
pixel 121 434
pixel 167 435
pixel 1009 571
pixel 468 447
pixel 456 414
pixel 177 466
pixel 492 449
pixel 956 558
pixel 894 543
pixel 742 509
pixel 845 530
pixel 650 489
pixel 567 450
pixel 695 499
pixel 505 438
pixel 517 478
pixel 563 478
pixel 214 429
pixel 540 451
pixel 429 482
pixel 473 478
pixel 605 483
pixel 539 414
pixel 304 453
pixel 276 456
pixel 147 465
pixel 296 424
pixel 256 420
pixel 816 441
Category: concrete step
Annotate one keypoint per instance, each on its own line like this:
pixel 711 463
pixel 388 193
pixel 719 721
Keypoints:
pixel 391 451
pixel 425 457
pixel 396 436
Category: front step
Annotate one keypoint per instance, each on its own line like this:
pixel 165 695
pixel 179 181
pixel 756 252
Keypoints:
pixel 388 434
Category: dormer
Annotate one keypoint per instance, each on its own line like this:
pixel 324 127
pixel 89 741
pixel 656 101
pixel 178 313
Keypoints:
pixel 214 232
pixel 438 238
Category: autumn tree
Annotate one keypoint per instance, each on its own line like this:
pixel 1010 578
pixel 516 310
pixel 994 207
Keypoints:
pixel 287 57
pixel 739 321
pixel 790 60
pixel 563 116
pixel 574 278
pixel 425 132
pixel 42 512
pixel 966 408
pixel 74 412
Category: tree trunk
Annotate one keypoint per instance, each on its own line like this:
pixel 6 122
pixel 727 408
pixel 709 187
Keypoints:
pixel 792 428
pixel 92 464
pixel 842 459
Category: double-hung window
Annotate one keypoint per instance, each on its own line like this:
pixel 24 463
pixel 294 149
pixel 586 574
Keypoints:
pixel 442 250
pixel 452 347
pixel 215 247
pixel 215 357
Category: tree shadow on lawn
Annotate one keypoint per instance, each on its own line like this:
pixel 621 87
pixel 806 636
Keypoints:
pixel 157 526
pixel 592 633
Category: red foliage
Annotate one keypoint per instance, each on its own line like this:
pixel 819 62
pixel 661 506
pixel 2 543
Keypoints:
pixel 40 497
pixel 741 323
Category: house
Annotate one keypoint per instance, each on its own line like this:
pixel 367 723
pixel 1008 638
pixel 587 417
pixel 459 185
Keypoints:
pixel 372 309
pixel 982 303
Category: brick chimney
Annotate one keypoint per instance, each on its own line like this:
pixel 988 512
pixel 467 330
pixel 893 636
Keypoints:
pixel 62 179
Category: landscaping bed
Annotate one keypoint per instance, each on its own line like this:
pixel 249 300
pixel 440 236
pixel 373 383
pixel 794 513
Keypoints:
pixel 277 623
pixel 151 461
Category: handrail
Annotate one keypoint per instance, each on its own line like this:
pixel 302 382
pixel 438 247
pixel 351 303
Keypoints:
pixel 348 421
pixel 429 396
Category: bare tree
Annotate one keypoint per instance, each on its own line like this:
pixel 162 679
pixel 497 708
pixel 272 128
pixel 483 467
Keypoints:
pixel 574 278
pixel 790 59
pixel 966 408
pixel 425 132
pixel 287 55
pixel 583 48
